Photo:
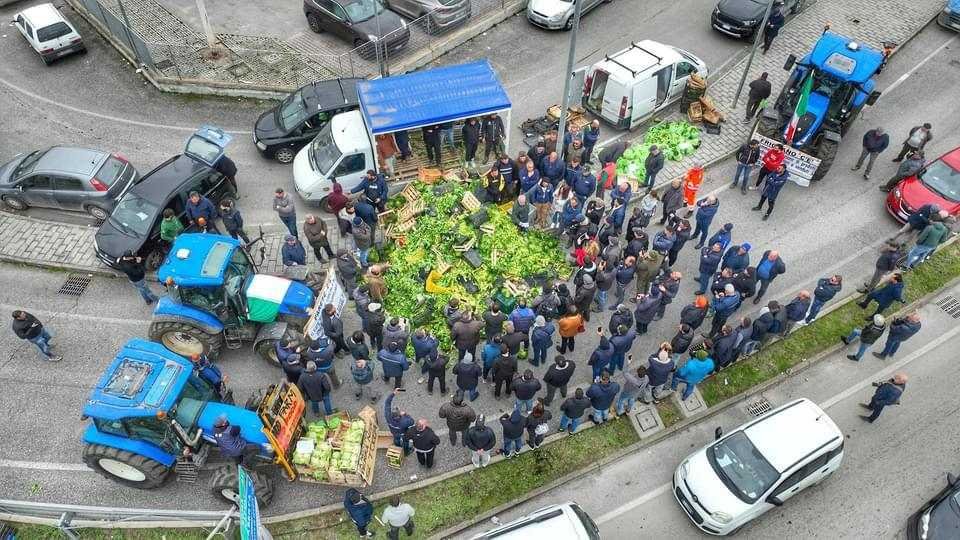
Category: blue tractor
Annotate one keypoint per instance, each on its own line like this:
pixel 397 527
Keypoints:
pixel 842 72
pixel 152 414
pixel 216 298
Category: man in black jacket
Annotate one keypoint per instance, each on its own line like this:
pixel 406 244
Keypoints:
pixel 513 425
pixel 471 140
pixel 480 439
pixel 316 387
pixel 572 410
pixel 826 289
pixel 557 377
pixel 525 388
pixel 27 327
pixel 875 141
pixel 491 133
pixel 132 265
pixel 431 139
pixel 890 253
pixel 424 442
pixel 747 157
pixel 759 91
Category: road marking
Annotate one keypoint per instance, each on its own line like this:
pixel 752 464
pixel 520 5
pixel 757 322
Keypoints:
pixel 825 405
pixel 43 466
pixel 108 117
pixel 914 69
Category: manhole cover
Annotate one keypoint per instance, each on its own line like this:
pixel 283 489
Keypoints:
pixel 75 284
pixel 759 407
pixel 950 305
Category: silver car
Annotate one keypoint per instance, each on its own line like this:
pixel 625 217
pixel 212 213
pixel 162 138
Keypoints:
pixel 557 14
pixel 67 178
pixel 441 14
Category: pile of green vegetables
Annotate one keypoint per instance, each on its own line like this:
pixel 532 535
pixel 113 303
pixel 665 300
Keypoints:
pixel 444 225
pixel 675 139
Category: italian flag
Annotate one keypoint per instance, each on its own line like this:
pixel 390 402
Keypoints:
pixel 264 296
pixel 801 108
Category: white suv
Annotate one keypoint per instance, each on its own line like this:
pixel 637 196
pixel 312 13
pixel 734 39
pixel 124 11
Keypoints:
pixel 48 32
pixel 758 466
pixel 565 521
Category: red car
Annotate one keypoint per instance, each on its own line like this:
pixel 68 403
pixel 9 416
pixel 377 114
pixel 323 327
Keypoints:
pixel 938 182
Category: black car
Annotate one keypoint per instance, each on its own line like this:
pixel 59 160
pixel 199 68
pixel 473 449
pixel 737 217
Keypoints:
pixel 357 22
pixel 134 223
pixel 939 519
pixel 740 18
pixel 286 128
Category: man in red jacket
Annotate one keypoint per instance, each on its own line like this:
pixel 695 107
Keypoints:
pixel 772 159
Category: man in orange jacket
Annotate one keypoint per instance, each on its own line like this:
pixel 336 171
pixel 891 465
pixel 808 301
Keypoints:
pixel 691 184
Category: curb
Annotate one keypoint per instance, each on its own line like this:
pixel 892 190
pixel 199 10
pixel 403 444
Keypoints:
pixel 63 267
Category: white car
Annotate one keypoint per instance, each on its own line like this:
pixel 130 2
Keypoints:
pixel 758 466
pixel 565 521
pixel 48 32
pixel 557 14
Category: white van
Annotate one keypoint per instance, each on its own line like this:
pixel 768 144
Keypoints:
pixel 630 86
pixel 565 521
pixel 342 151
pixel 758 466
pixel 49 33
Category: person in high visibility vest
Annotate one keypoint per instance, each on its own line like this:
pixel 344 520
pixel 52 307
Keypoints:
pixel 691 184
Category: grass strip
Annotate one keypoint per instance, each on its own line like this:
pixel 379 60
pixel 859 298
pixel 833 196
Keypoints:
pixel 449 502
pixel 42 532
pixel 825 332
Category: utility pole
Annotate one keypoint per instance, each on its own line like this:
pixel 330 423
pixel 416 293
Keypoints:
pixel 565 102
pixel 753 52
pixel 376 44
pixel 205 22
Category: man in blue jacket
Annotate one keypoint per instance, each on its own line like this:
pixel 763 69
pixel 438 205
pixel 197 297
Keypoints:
pixel 885 295
pixel 601 395
pixel 366 212
pixel 724 305
pixel 374 188
pixel 887 393
pixel 826 289
pixel 398 421
pixel 542 199
pixel 622 341
pixel 706 211
pixel 722 237
pixel 692 373
pixel 424 349
pixel 394 363
pixel 590 137
pixel 553 168
pixel 737 258
pixel 901 329
pixel 360 510
pixel 709 260
pixel 198 207
pixel 769 267
pixel 601 356
pixel 292 252
pixel 773 183
pixel 572 214
pixel 584 185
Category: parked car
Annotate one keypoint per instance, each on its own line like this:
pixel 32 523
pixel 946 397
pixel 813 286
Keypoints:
pixel 758 466
pixel 557 14
pixel 442 14
pixel 950 16
pixel 283 130
pixel 68 178
pixel 357 22
pixel 939 519
pixel 938 182
pixel 565 521
pixel 740 18
pixel 49 33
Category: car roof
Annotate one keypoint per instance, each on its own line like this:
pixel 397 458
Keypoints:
pixel 71 160
pixel 952 158
pixel 555 521
pixel 789 433
pixel 43 15
pixel 639 57
pixel 332 94
pixel 188 256
pixel 167 178
pixel 143 378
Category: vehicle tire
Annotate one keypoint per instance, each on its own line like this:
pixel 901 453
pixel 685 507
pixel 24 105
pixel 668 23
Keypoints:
pixel 224 484
pixel 797 7
pixel 154 259
pixel 15 203
pixel 46 61
pixel 266 349
pixel 766 127
pixel 284 155
pixel 125 467
pixel 96 212
pixel 314 23
pixel 569 24
pixel 229 194
pixel 185 339
pixel 827 153
pixel 324 205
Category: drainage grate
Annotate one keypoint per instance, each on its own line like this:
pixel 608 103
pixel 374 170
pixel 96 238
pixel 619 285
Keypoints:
pixel 75 284
pixel 759 407
pixel 950 305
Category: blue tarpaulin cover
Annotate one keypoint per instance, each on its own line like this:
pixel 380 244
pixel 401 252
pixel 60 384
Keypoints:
pixel 431 96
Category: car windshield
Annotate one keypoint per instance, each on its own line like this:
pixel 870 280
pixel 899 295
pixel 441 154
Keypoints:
pixel 196 393
pixel 742 467
pixel 134 215
pixel 323 151
pixel 291 112
pixel 362 10
pixel 53 31
pixel 28 164
pixel 942 179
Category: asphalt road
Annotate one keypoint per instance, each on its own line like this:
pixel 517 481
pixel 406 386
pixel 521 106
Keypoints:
pixel 890 468
pixel 831 227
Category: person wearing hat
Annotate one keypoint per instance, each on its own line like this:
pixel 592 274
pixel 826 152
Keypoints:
pixel 695 370
pixel 398 421
pixel 583 297
pixel 769 267
pixel 868 335
pixel 132 265
pixel 316 387
pixel 694 313
pixel 362 372
pixel 737 257
pixel 198 207
pixel 363 239
pixel 360 510
pixel 231 442
pixel 651 166
pixel 747 156
pixel 292 252
pixel 706 210
pixel 584 182
pixel 541 339
pixel 29 328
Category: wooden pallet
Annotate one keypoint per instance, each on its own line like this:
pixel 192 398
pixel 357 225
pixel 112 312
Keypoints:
pixel 410 193
pixel 470 202
pixel 395 457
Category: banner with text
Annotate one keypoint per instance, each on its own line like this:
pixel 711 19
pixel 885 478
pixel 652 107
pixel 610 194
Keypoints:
pixel 801 166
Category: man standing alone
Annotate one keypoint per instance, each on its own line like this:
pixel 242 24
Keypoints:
pixel 875 141
pixel 759 92
pixel 887 393
pixel 27 327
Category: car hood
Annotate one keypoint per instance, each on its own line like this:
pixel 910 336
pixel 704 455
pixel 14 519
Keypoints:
pixel 267 126
pixel 944 521
pixel 711 492
pixel 550 7
pixel 915 194
pixel 389 22
pixel 742 10
pixel 113 242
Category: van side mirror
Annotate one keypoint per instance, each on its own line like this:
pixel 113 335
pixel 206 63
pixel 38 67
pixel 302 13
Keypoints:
pixel 873 97
pixel 791 60
pixel 717 433
pixel 774 500
pixel 951 479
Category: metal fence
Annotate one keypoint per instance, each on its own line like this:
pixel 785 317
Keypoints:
pixel 172 50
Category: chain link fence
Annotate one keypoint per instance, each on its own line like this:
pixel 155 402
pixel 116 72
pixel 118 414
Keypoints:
pixel 172 51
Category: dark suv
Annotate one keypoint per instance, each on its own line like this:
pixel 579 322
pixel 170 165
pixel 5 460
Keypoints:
pixel 134 223
pixel 741 18
pixel 289 126
pixel 357 22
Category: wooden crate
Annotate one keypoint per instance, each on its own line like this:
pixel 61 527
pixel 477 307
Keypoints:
pixel 470 202
pixel 384 439
pixel 410 193
pixel 395 457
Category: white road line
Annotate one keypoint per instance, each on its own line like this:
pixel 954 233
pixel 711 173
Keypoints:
pixel 879 375
pixel 76 316
pixel 913 70
pixel 102 116
pixel 43 466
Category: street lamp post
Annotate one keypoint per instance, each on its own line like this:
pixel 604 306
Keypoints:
pixel 753 52
pixel 565 101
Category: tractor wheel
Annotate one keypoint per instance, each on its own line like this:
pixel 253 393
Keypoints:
pixel 827 153
pixel 767 127
pixel 185 339
pixel 268 351
pixel 125 467
pixel 225 485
